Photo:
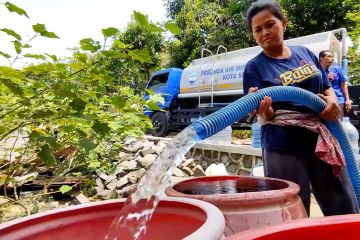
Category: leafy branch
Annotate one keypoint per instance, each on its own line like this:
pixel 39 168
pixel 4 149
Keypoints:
pixel 75 114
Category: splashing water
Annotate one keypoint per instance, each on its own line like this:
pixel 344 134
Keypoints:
pixel 140 205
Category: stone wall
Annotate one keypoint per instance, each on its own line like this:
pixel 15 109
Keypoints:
pixel 235 163
pixel 137 156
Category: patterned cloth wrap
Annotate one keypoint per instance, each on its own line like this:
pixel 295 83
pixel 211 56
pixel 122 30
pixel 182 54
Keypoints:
pixel 327 147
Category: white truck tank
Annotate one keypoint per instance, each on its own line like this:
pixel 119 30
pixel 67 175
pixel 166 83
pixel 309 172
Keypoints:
pixel 222 74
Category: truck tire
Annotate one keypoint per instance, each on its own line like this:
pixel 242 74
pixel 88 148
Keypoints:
pixel 160 124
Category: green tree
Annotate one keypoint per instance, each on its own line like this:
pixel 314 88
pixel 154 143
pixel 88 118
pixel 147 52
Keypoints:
pixel 207 24
pixel 309 17
pixel 173 7
pixel 231 30
pixel 354 52
pixel 143 41
pixel 75 105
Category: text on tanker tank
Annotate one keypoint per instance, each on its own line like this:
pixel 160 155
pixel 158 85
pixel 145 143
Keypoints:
pixel 231 72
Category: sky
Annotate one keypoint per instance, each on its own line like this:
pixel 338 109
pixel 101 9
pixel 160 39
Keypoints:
pixel 71 20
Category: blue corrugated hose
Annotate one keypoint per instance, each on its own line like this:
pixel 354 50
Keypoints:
pixel 224 117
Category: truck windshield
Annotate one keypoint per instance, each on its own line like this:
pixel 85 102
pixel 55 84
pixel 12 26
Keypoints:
pixel 158 81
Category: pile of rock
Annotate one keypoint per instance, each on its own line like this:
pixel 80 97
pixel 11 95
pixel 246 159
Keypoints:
pixel 135 159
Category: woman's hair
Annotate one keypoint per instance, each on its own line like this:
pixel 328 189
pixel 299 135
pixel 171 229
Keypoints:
pixel 260 5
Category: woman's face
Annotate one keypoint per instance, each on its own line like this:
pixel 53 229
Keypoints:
pixel 268 30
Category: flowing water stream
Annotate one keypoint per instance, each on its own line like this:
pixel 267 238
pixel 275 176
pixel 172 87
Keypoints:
pixel 141 204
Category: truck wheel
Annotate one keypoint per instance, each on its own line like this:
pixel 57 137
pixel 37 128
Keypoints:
pixel 160 124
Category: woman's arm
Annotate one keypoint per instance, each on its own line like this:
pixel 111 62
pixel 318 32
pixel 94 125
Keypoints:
pixel 252 81
pixel 265 110
pixel 332 109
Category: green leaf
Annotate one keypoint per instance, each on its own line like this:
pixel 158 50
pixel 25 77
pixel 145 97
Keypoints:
pixel 81 133
pixel 153 101
pixel 49 140
pixel 39 69
pixel 26 45
pixel 3 129
pixel 101 128
pixel 120 44
pixel 13 8
pixel 83 116
pixel 88 44
pixel 11 33
pixel 36 56
pixel 67 129
pixel 87 145
pixel 49 34
pixel 153 28
pixel 94 164
pixel 152 105
pixel 13 72
pixel 4 178
pixel 82 57
pixel 109 32
pixel 46 154
pixel 13 87
pixel 39 27
pixel 173 28
pixel 36 133
pixel 65 188
pixel 17 46
pixel 140 18
pixel 149 91
pixel 5 55
pixel 157 98
pixel 53 57
pixel 76 174
pixel 115 54
pixel 64 92
pixel 140 55
pixel 118 102
pixel 78 104
pixel 42 114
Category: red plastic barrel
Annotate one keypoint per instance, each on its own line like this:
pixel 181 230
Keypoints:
pixel 327 228
pixel 174 218
pixel 246 202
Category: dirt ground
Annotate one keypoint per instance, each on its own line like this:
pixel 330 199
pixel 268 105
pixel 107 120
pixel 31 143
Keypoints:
pixel 24 207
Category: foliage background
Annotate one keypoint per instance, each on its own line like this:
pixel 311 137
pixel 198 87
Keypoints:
pixel 210 23
pixel 74 113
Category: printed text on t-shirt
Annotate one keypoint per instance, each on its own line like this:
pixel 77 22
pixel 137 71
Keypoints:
pixel 298 74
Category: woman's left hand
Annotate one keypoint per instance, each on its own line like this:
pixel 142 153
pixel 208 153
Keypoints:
pixel 332 109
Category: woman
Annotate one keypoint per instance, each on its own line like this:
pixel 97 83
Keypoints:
pixel 296 145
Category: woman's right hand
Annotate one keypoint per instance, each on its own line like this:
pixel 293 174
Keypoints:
pixel 265 110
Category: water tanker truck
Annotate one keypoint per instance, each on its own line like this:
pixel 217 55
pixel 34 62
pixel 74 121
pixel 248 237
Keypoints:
pixel 211 82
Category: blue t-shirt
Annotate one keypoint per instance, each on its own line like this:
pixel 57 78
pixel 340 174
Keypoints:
pixel 339 77
pixel 302 69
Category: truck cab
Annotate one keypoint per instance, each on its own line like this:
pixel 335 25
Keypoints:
pixel 167 83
